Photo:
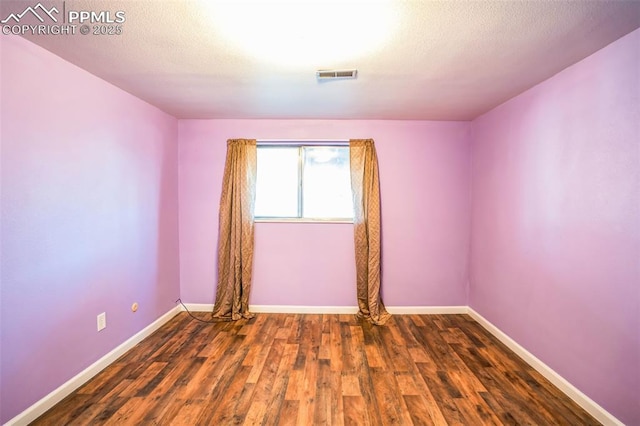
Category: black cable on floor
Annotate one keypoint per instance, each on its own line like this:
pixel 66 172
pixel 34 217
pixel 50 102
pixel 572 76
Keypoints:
pixel 194 317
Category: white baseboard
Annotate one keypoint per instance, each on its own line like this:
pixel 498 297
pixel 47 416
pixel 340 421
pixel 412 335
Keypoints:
pixel 284 309
pixel 281 309
pixel 198 307
pixel 40 407
pixel 589 405
pixel 289 309
pixel 426 310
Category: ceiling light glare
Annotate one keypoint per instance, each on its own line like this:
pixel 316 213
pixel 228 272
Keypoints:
pixel 304 33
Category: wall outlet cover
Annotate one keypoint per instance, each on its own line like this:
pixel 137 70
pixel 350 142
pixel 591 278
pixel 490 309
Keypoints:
pixel 102 321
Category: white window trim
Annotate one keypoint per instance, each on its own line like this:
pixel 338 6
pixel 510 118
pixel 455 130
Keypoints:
pixel 299 220
pixel 302 142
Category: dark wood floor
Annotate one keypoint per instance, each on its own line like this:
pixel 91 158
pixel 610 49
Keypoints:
pixel 319 369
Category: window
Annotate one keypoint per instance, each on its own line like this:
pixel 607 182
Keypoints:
pixel 304 183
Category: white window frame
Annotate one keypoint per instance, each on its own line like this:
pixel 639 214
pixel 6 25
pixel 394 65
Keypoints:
pixel 299 143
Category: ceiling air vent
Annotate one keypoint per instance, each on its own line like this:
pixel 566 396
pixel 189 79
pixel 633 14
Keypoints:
pixel 333 74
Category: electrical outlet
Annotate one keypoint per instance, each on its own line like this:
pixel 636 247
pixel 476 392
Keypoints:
pixel 102 321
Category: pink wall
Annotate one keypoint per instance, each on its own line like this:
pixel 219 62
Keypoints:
pixel 89 220
pixel 424 173
pixel 555 249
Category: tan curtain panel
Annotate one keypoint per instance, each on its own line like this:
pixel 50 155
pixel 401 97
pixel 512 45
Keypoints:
pixel 235 239
pixel 365 187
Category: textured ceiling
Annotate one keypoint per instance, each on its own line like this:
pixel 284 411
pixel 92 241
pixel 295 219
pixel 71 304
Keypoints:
pixel 441 60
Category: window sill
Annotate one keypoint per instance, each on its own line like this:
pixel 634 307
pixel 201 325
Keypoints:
pixel 301 220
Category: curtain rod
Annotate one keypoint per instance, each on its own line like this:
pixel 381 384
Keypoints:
pixel 298 142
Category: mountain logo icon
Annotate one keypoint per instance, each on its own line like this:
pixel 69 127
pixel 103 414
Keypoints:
pixel 38 11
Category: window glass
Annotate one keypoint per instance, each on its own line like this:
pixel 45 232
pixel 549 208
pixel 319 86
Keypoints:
pixel 326 189
pixel 303 182
pixel 277 182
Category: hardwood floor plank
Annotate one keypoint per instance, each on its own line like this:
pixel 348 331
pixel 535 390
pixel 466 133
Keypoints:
pixel 105 414
pixel 70 408
pixel 104 379
pixel 425 393
pixel 352 348
pixel 306 409
pixel 335 343
pixel 188 413
pixel 325 346
pixel 374 359
pixel 322 403
pixel 443 393
pixel 198 380
pixel 226 413
pixel 164 410
pixel 294 385
pixel 118 390
pixel 394 350
pixel 86 415
pixel 355 413
pixel 337 403
pixel 286 369
pixel 418 411
pixel 405 383
pixel 288 415
pixel 350 385
pixel 255 415
pixel 129 413
pixel 369 397
pixel 243 403
pixel 556 398
pixel 390 403
pixel 272 385
pixel 505 416
pixel 475 413
pixel 151 373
